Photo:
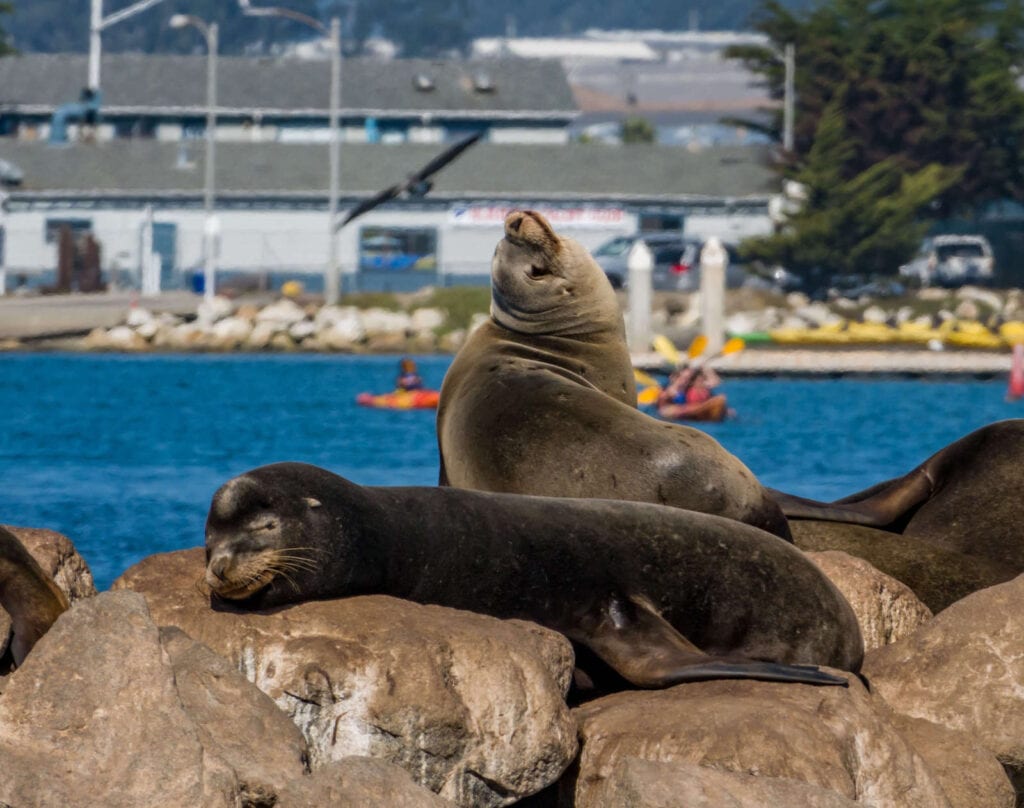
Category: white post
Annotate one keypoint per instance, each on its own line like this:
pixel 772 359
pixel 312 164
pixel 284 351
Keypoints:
pixel 95 27
pixel 211 244
pixel 789 101
pixel 149 281
pixel 713 261
pixel 332 279
pixel 3 244
pixel 640 263
pixel 210 228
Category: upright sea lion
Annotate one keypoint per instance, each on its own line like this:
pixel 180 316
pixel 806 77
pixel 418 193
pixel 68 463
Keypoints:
pixel 662 595
pixel 965 498
pixel 541 398
pixel 27 594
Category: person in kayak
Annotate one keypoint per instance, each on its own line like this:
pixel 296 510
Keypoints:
pixel 408 376
pixel 689 385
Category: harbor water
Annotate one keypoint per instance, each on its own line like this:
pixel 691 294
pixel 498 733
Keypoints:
pixel 122 453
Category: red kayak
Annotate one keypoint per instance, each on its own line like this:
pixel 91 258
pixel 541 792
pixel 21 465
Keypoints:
pixel 714 409
pixel 401 400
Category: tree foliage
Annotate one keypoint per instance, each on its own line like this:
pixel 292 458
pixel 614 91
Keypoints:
pixel 5 47
pixel 906 109
pixel 637 130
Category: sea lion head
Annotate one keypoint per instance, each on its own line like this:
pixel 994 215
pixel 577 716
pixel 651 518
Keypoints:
pixel 542 283
pixel 266 536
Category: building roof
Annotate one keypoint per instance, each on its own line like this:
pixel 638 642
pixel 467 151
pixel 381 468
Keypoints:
pixel 486 171
pixel 161 84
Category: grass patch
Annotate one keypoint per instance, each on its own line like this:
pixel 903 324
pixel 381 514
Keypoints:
pixel 459 303
pixel 373 300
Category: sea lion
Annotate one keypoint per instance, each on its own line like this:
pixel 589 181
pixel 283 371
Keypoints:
pixel 27 594
pixel 541 398
pixel 661 595
pixel 965 498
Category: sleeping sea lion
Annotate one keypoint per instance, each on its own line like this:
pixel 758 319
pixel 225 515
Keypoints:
pixel 27 594
pixel 541 398
pixel 965 498
pixel 661 595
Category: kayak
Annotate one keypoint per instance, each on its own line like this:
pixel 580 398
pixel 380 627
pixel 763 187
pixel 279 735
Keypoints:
pixel 401 400
pixel 714 409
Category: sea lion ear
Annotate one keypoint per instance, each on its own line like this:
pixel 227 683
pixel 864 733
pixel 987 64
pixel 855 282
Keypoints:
pixel 312 503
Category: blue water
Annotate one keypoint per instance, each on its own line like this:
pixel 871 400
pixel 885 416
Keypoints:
pixel 122 453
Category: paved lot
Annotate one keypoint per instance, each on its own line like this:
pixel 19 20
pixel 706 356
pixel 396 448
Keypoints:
pixel 29 318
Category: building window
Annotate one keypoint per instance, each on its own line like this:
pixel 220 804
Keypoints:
pixel 78 227
pixel 398 249
pixel 660 222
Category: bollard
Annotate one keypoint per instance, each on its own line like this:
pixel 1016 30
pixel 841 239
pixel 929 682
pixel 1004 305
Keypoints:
pixel 713 262
pixel 640 263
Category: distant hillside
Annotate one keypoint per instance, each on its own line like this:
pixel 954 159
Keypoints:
pixel 424 27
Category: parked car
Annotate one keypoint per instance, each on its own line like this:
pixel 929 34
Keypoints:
pixel 676 261
pixel 951 260
pixel 667 250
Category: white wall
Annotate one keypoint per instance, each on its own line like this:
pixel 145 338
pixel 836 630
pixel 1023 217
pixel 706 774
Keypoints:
pixel 268 240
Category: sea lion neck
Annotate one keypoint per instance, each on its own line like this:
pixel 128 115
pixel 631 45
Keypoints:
pixel 604 365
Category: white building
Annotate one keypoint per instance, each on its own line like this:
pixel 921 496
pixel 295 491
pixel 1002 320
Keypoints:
pixel 271 206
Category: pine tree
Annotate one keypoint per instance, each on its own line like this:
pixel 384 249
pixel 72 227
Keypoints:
pixel 906 110
pixel 5 47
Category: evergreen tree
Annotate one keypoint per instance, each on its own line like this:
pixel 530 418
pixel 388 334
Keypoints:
pixel 896 100
pixel 5 47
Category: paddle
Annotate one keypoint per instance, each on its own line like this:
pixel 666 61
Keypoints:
pixel 663 345
pixel 734 345
pixel 652 387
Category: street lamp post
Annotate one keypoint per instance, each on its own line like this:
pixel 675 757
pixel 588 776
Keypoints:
pixel 210 228
pixel 98 23
pixel 332 279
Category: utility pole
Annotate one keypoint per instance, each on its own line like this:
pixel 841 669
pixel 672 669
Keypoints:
pixel 98 23
pixel 789 101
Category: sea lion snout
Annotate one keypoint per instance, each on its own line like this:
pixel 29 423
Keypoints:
pixel 529 228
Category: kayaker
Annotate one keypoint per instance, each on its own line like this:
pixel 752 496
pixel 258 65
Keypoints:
pixel 703 385
pixel 408 376
pixel 689 385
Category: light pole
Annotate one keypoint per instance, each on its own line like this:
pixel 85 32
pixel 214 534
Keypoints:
pixel 209 32
pixel 97 24
pixel 331 275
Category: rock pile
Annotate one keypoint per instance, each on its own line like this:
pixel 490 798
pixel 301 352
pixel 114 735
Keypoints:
pixel 284 325
pixel 145 695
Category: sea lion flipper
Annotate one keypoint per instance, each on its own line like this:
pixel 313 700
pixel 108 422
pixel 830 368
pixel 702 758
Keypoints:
pixel 28 594
pixel 642 647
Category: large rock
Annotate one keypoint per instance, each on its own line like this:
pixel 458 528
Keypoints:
pixel 282 313
pixel 970 774
pixel 937 576
pixel 58 558
pixel 835 739
pixel 637 782
pixel 358 781
pixel 963 670
pixel 886 609
pixel 109 710
pixel 471 706
pixel 381 321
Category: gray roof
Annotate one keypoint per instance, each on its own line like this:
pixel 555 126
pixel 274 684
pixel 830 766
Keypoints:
pixel 487 170
pixel 170 84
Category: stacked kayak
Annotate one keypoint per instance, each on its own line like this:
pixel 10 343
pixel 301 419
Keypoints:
pixel 952 333
pixel 401 400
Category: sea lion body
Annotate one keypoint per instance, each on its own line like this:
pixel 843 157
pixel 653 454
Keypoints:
pixel 660 594
pixel 27 594
pixel 966 498
pixel 541 398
